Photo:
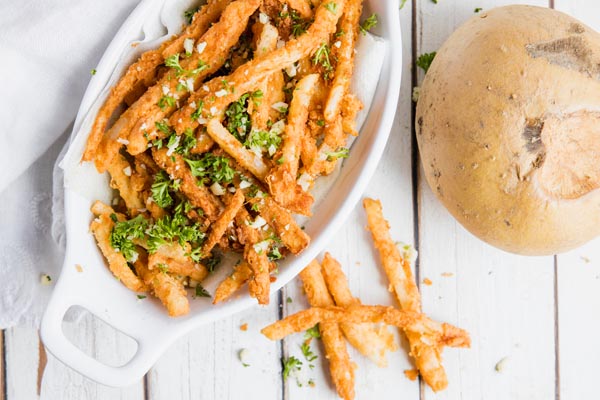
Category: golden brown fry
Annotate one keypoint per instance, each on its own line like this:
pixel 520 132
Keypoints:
pixel 245 158
pixel 349 24
pixel 220 225
pixel 290 233
pixel 145 68
pixel 248 76
pixel 301 6
pixel 102 227
pixel 271 86
pixel 368 340
pixel 259 285
pixel 342 369
pixel 282 178
pixel 441 334
pixel 120 178
pixel 240 275
pixel 169 290
pixel 199 196
pixel 219 39
pixel 176 261
pixel 428 358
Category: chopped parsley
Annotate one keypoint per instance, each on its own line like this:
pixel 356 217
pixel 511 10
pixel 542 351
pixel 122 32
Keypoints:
pixel 211 167
pixel 238 119
pixel 93 71
pixel 257 97
pixel 322 57
pixel 341 152
pixel 368 24
pixel 170 228
pixel 164 268
pixel 141 296
pixel 424 61
pixel 123 234
pixel 402 3
pixel 292 364
pixel 312 333
pixel 201 292
pixel 173 62
pixel 189 14
pixel 274 254
pixel 478 9
pixel 259 141
pixel 307 352
pixel 164 127
pixel 166 101
pixel 160 189
pixel 289 300
pixel 331 7
pixel 212 263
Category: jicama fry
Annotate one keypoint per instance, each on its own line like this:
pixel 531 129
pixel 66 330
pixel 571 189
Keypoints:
pixel 271 87
pixel 441 333
pixel 174 259
pixel 220 225
pixel 199 196
pixel 342 369
pixel 349 24
pixel 102 227
pixel 282 178
pixel 145 68
pixel 248 76
pixel 169 290
pixel 120 178
pixel 427 358
pixel 260 283
pixel 240 275
pixel 245 158
pixel 371 342
pixel 218 40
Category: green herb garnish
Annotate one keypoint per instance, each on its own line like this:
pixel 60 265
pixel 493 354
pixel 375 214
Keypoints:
pixel 424 61
pixel 368 24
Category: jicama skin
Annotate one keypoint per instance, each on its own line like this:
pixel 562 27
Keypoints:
pixel 366 338
pixel 145 70
pixel 102 227
pixel 428 358
pixel 340 365
pixel 282 178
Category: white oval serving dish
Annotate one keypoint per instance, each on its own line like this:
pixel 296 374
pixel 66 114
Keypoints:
pixel 95 289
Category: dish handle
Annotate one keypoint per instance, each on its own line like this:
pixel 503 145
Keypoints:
pixel 62 348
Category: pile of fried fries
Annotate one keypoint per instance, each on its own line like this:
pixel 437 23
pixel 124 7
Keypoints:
pixel 224 130
pixel 340 315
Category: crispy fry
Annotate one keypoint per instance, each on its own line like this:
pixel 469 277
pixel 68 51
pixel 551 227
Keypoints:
pixel 292 236
pixel 145 68
pixel 247 159
pixel 349 24
pixel 220 225
pixel 428 359
pixel 120 178
pixel 259 285
pixel 219 39
pixel 282 178
pixel 440 333
pixel 240 275
pixel 271 86
pixel 248 76
pixel 102 227
pixel 371 342
pixel 342 369
pixel 169 290
pixel 199 196
pixel 176 262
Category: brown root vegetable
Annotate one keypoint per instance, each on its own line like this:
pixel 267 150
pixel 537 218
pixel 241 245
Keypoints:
pixel 508 125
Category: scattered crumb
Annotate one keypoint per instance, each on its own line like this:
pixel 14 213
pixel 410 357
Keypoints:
pixel 585 259
pixel 357 263
pixel 311 383
pixel 273 279
pixel 411 374
pixel 447 274
pixel 45 279
pixel 79 268
pixel 427 282
pixel 244 327
pixel 501 365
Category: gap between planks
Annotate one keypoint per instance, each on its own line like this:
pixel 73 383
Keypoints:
pixel 3 395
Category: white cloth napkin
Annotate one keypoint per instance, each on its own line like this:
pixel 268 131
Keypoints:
pixel 48 48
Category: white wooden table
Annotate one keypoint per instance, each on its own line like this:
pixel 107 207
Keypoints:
pixel 540 314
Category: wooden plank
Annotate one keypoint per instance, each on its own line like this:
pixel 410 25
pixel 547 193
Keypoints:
pixel 506 302
pixel 22 361
pixel 353 248
pixel 206 363
pixel 100 341
pixel 578 283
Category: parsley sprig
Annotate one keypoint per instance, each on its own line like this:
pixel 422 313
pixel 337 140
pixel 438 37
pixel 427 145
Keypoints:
pixel 124 233
pixel 368 24
pixel 323 57
pixel 211 167
pixel 173 62
pixel 424 61
pixel 341 152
